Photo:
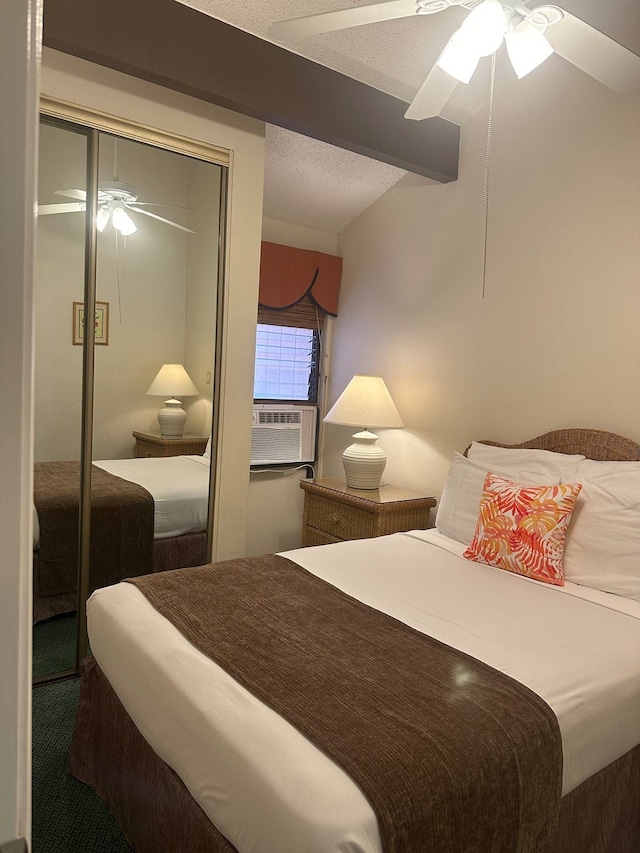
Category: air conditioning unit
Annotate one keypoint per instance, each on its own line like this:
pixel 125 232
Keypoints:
pixel 282 433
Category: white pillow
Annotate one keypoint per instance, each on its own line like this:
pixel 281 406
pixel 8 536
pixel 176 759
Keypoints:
pixel 561 465
pixel 207 450
pixel 457 514
pixel 603 540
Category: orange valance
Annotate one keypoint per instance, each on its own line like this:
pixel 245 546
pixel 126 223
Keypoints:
pixel 288 274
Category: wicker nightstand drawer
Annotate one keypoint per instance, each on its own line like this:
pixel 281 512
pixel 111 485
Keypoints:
pixel 340 520
pixel 142 449
pixel 335 513
pixel 150 445
pixel 311 536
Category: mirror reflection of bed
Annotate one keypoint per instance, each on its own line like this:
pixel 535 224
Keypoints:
pixel 156 298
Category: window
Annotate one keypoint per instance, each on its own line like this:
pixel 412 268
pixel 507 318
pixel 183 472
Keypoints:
pixel 298 290
pixel 286 363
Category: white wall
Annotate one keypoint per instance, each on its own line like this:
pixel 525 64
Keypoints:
pixel 274 515
pixel 555 342
pixel 276 500
pixel 83 83
pixel 299 236
pixel 202 285
pixel 19 61
pixel 57 283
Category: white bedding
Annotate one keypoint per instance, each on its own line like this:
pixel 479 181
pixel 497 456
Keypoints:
pixel 266 787
pixel 179 486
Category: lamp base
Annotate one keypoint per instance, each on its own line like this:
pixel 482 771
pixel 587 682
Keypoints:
pixel 172 419
pixel 364 461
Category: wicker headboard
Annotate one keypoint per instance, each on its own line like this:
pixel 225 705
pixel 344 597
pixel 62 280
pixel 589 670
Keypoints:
pixel 592 443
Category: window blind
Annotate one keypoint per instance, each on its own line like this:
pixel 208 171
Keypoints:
pixel 303 315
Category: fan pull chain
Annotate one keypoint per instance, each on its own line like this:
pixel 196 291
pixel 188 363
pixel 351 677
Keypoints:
pixel 118 271
pixel 487 172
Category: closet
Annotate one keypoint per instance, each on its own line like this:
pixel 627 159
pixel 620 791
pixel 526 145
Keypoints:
pixel 131 231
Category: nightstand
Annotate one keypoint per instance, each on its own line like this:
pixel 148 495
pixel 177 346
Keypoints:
pixel 335 513
pixel 150 444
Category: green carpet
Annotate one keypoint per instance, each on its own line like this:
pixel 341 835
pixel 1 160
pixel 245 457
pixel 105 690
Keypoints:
pixel 68 817
pixel 54 645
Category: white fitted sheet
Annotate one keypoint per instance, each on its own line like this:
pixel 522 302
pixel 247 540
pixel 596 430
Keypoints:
pixel 179 486
pixel 266 787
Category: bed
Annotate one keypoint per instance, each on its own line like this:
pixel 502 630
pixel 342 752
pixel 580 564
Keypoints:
pixel 172 496
pixel 203 764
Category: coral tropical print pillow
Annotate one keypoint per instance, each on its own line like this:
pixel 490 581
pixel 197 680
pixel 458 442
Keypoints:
pixel 522 528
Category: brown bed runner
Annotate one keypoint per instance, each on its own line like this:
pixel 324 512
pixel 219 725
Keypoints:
pixel 121 527
pixel 451 754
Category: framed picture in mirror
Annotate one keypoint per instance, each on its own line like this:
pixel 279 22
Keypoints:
pixel 101 323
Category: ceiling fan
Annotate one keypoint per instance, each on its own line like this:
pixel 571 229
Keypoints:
pixel 115 199
pixel 531 36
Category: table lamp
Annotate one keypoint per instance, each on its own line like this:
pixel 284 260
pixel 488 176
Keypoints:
pixel 172 381
pixel 365 400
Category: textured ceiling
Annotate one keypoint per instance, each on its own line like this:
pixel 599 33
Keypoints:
pixel 325 187
pixel 317 185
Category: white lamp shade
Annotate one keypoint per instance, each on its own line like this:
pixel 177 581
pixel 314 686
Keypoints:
pixel 365 402
pixel 123 222
pixel 480 35
pixel 485 27
pixel 459 59
pixel 527 48
pixel 103 217
pixel 172 380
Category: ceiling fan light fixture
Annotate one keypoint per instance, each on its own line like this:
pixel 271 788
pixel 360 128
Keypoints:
pixel 485 27
pixel 118 191
pixel 123 222
pixel 103 217
pixel 540 32
pixel 458 58
pixel 527 48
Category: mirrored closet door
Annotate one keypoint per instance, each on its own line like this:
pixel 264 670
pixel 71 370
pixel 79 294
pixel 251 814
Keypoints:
pixel 59 280
pixel 133 233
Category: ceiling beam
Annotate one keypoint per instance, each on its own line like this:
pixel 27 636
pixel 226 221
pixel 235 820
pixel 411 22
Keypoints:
pixel 177 47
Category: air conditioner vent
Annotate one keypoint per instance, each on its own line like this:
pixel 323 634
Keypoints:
pixel 279 418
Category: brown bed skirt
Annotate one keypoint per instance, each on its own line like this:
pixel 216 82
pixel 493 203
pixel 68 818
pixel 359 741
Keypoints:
pixel 158 815
pixel 177 552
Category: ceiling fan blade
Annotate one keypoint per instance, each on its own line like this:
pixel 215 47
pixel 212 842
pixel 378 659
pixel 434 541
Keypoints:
pixel 432 95
pixel 159 218
pixel 341 19
pixel 72 207
pixel 79 194
pixel 593 52
pixel 161 204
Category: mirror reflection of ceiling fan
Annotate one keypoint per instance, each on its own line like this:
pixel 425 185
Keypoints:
pixel 115 200
pixel 531 36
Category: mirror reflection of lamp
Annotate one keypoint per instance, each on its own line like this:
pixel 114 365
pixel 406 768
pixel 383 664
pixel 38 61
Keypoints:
pixel 365 402
pixel 172 381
